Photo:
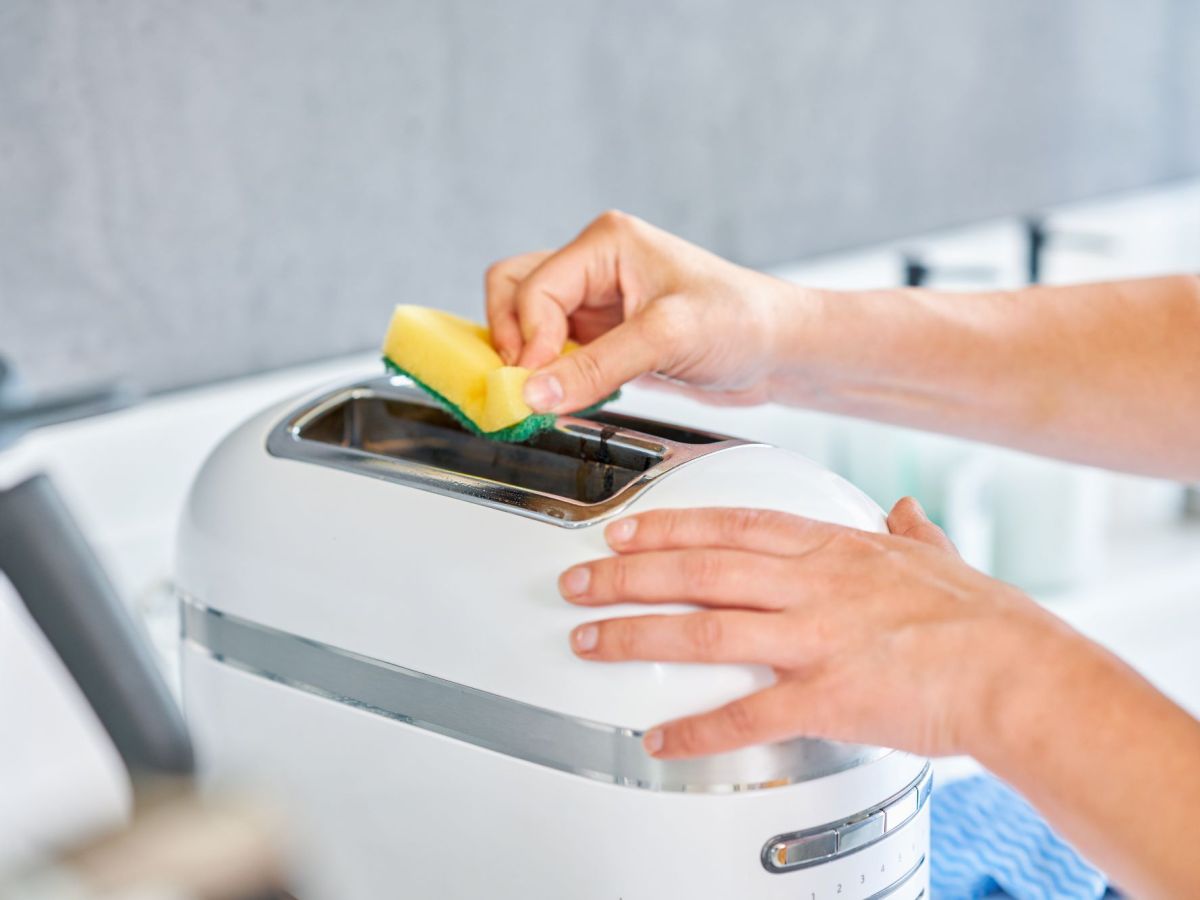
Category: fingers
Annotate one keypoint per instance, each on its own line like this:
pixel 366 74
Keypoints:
pixel 534 300
pixel 582 272
pixel 545 300
pixel 591 373
pixel 760 530
pixel 713 636
pixel 500 282
pixel 773 714
pixel 704 576
pixel 907 519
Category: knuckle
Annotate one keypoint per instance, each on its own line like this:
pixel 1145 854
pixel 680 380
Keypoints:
pixel 855 542
pixel 686 736
pixel 622 639
pixel 740 721
pixel 924 531
pixel 701 571
pixel 524 294
pixel 933 532
pixel 497 275
pixel 616 572
pixel 704 634
pixel 670 525
pixel 588 368
pixel 612 220
pixel 738 523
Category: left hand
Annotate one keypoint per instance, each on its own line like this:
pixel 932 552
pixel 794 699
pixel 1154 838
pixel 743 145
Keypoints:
pixel 886 639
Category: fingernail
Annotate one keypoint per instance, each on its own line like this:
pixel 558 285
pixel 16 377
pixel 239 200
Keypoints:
pixel 653 741
pixel 575 581
pixel 622 532
pixel 585 638
pixel 543 392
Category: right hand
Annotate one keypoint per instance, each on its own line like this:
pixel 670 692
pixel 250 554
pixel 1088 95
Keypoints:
pixel 640 301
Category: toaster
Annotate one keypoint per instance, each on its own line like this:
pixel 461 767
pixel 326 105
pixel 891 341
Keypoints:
pixel 371 628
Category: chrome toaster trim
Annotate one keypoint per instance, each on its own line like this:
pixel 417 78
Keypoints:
pixel 900 882
pixel 578 746
pixel 286 440
pixel 812 846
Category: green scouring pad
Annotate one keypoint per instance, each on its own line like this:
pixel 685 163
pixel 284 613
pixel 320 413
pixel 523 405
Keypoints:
pixel 452 359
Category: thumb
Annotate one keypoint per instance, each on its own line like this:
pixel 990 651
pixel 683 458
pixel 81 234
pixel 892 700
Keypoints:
pixel 586 376
pixel 908 519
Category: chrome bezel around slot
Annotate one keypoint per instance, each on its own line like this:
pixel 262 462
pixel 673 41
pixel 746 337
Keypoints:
pixel 286 440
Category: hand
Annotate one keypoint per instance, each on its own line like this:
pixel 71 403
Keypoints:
pixel 886 639
pixel 640 301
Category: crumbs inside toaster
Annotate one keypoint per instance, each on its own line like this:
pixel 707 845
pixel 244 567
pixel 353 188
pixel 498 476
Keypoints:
pixel 585 461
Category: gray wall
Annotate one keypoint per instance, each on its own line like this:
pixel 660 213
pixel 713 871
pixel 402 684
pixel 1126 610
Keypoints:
pixel 190 191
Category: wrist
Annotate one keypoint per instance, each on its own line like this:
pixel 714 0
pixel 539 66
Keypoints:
pixel 800 342
pixel 1033 667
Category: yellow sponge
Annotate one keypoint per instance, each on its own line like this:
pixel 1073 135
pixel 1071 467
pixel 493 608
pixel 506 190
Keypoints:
pixel 453 359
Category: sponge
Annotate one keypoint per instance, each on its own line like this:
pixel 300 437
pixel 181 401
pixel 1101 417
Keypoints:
pixel 453 360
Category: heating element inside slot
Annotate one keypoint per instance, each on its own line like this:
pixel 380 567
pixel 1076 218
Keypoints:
pixel 583 461
pixel 655 429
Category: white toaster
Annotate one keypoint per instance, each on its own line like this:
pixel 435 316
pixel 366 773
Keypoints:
pixel 372 628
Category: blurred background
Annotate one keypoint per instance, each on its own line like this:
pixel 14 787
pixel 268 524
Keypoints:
pixel 218 204
pixel 198 191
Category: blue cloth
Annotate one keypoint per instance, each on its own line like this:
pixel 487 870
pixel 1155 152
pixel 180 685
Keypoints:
pixel 985 838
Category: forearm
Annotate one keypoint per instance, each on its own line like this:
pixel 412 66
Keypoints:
pixel 1112 763
pixel 1107 374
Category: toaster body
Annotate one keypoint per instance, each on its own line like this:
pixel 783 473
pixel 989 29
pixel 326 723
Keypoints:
pixel 371 627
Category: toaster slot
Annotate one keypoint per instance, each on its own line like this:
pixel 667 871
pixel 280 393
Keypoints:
pixel 586 465
pixel 581 471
